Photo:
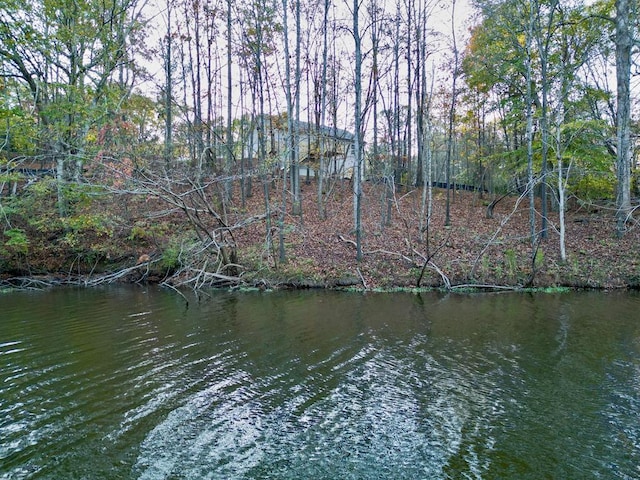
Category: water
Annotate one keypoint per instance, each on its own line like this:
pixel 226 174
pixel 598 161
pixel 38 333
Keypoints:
pixel 134 383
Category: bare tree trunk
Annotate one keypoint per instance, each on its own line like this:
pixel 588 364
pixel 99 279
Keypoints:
pixel 426 152
pixel 290 143
pixel 323 111
pixel 60 180
pixel 295 166
pixel 357 177
pixel 409 126
pixel 562 194
pixel 198 127
pixel 184 68
pixel 196 86
pixel 623 116
pixel 168 92
pixel 562 177
pixel 452 109
pixel 375 45
pixel 529 132
pixel 543 37
pixel 229 149
pixel 420 77
pixel 247 180
pixel 258 83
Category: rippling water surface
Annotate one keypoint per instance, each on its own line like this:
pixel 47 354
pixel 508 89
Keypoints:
pixel 134 383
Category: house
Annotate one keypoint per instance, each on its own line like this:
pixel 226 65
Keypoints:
pixel 336 147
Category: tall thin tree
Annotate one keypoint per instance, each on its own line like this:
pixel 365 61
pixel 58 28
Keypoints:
pixel 229 141
pixel 168 89
pixel 623 41
pixel 455 72
pixel 357 177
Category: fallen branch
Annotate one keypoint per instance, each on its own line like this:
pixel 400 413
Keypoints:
pixel 364 283
pixel 428 261
pixel 346 240
pixel 378 250
pixel 200 278
pixel 165 284
pixel 112 277
pixel 26 283
pixel 396 254
pixel 503 222
pixel 445 279
pixel 482 286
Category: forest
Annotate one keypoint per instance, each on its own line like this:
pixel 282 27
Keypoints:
pixel 309 143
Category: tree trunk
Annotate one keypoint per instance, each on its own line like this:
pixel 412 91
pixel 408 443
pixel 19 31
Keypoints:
pixel 168 93
pixel 229 150
pixel 409 125
pixel 357 177
pixel 529 132
pixel 452 110
pixel 623 116
pixel 323 112
pixel 295 167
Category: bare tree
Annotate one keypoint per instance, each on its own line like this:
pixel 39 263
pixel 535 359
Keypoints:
pixel 357 177
pixel 623 41
pixel 292 125
pixel 544 35
pixel 452 112
pixel 529 128
pixel 323 110
pixel 168 88
pixel 295 167
pixel 229 150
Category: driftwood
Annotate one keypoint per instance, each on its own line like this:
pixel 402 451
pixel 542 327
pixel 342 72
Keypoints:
pixel 115 276
pixel 28 283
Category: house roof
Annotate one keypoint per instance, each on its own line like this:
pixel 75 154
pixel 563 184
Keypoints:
pixel 330 132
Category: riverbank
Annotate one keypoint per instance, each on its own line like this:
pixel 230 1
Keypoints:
pixel 140 240
pixel 474 251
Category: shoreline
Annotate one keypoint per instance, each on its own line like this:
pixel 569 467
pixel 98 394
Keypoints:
pixel 134 239
pixel 10 283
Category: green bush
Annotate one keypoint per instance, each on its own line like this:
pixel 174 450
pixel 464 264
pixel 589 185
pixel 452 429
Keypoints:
pixel 593 187
pixel 171 255
pixel 17 241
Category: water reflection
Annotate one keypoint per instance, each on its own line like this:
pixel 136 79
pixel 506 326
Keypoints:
pixel 132 383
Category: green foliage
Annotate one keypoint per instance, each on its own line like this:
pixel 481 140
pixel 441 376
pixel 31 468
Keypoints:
pixel 71 240
pixel 139 232
pixel 171 256
pixel 9 177
pixel 566 38
pixel 49 109
pixel 95 222
pixel 45 187
pixel 38 206
pixel 9 207
pixel 538 261
pixel 19 128
pixel 591 187
pixel 82 232
pixel 511 262
pixel 79 195
pixel 17 241
pixel 495 57
pixel 590 165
